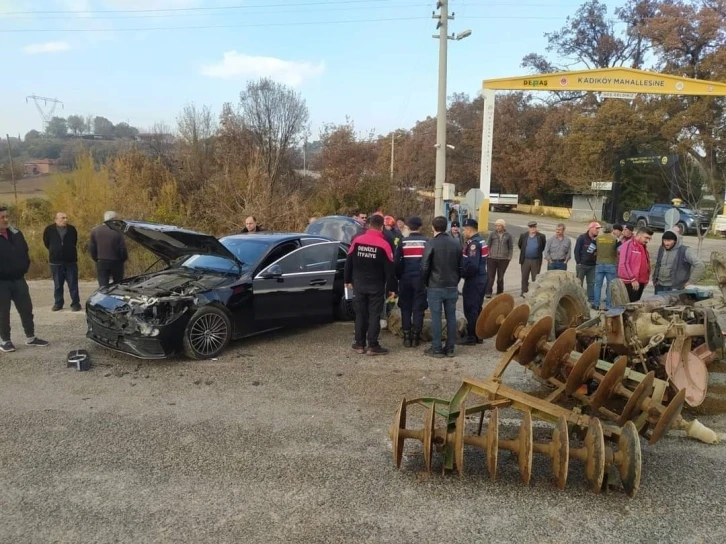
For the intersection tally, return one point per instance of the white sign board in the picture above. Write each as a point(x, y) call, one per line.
point(485, 179)
point(614, 94)
point(671, 218)
point(601, 185)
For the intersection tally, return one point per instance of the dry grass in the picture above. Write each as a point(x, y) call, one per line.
point(31, 187)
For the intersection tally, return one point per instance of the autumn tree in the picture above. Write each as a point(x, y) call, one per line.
point(196, 129)
point(276, 117)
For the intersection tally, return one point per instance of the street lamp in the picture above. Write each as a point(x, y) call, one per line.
point(444, 37)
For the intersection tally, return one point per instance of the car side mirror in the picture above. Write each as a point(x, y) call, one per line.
point(274, 271)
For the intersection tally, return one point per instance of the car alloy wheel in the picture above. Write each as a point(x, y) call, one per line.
point(207, 333)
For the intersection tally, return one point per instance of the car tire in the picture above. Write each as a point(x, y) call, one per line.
point(681, 225)
point(207, 334)
point(641, 223)
point(344, 310)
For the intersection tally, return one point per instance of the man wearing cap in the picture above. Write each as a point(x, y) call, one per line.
point(618, 232)
point(475, 279)
point(586, 258)
point(411, 292)
point(606, 267)
point(676, 265)
point(455, 233)
point(501, 247)
point(558, 249)
point(531, 248)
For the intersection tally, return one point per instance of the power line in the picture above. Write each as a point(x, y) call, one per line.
point(199, 8)
point(178, 15)
point(209, 27)
point(295, 23)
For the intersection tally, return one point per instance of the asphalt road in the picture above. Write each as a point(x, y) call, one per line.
point(284, 439)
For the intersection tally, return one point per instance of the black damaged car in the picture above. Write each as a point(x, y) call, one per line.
point(216, 290)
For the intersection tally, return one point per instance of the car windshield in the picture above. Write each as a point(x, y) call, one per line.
point(245, 249)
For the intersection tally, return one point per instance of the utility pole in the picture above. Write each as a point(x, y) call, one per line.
point(443, 37)
point(12, 172)
point(393, 139)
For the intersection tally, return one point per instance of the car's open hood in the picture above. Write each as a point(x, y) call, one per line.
point(170, 242)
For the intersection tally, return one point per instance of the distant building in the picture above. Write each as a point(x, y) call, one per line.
point(38, 167)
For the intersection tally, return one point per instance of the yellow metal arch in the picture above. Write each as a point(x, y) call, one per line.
point(601, 80)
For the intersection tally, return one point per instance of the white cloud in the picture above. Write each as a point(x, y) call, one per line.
point(237, 65)
point(47, 47)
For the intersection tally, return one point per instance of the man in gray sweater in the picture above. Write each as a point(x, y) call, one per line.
point(676, 264)
point(108, 251)
point(501, 247)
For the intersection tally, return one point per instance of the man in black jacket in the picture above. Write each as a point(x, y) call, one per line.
point(14, 263)
point(441, 269)
point(411, 292)
point(61, 240)
point(586, 259)
point(108, 251)
point(368, 270)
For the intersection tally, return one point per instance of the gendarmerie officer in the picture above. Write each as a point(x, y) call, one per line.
point(476, 252)
point(411, 292)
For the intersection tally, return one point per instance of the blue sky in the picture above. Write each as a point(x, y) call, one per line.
point(381, 74)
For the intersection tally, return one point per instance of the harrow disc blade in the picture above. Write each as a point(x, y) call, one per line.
point(560, 452)
point(525, 447)
point(539, 332)
point(668, 417)
point(583, 369)
point(630, 462)
point(493, 314)
point(595, 462)
point(428, 437)
point(399, 423)
point(558, 353)
point(516, 318)
point(493, 443)
point(612, 379)
point(459, 441)
point(633, 408)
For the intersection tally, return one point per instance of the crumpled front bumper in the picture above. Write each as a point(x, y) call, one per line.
point(112, 326)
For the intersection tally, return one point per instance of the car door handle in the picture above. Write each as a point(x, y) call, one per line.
point(318, 282)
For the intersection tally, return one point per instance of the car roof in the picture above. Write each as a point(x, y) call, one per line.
point(273, 237)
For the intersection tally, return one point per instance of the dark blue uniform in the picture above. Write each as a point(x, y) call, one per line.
point(476, 252)
point(411, 291)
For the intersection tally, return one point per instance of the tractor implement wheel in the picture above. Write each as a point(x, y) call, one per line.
point(628, 458)
point(668, 417)
point(537, 335)
point(559, 294)
point(609, 383)
point(399, 424)
point(560, 448)
point(583, 369)
point(493, 315)
point(517, 318)
point(558, 354)
point(595, 459)
point(525, 448)
point(634, 406)
point(493, 443)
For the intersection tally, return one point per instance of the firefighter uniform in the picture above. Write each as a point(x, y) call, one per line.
point(411, 292)
point(476, 252)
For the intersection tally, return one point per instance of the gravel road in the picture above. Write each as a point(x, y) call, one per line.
point(284, 439)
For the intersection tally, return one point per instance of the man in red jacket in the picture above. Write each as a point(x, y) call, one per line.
point(634, 263)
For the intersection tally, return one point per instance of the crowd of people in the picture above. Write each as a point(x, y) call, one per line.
point(393, 256)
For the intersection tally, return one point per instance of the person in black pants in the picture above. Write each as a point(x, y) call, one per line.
point(475, 282)
point(61, 239)
point(411, 292)
point(108, 251)
point(441, 269)
point(14, 263)
point(368, 270)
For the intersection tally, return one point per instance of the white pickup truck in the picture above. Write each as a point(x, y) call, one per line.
point(500, 202)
